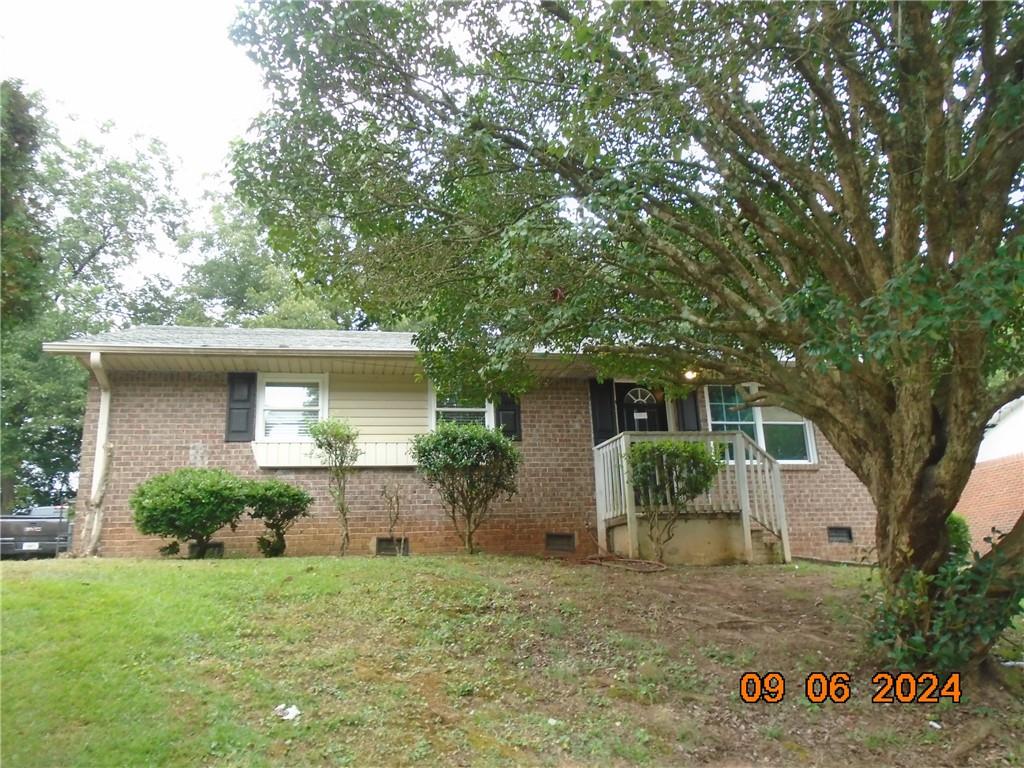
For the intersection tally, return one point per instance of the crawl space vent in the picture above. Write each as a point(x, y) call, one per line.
point(392, 546)
point(560, 542)
point(840, 535)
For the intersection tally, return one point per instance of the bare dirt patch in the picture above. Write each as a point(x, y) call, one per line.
point(717, 623)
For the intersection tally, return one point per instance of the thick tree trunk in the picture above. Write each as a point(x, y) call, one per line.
point(345, 537)
point(6, 492)
point(910, 530)
point(914, 454)
point(915, 470)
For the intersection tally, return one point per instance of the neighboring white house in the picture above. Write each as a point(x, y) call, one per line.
point(1006, 435)
point(993, 501)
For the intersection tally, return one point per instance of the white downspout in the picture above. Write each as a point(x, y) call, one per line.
point(101, 459)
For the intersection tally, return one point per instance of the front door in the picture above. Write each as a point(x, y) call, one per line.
point(640, 409)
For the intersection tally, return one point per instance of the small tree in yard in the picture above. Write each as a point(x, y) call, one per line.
point(392, 495)
point(335, 439)
point(278, 505)
point(669, 475)
point(471, 466)
point(189, 505)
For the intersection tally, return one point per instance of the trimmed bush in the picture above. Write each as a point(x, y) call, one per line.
point(669, 474)
point(278, 504)
point(189, 505)
point(967, 609)
point(470, 466)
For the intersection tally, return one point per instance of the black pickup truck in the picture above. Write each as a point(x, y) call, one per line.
point(35, 531)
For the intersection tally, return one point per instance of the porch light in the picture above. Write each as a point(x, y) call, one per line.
point(690, 375)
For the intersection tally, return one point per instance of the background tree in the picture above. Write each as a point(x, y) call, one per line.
point(824, 198)
point(95, 212)
point(239, 280)
point(21, 126)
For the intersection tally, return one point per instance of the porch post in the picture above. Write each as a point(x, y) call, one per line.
point(601, 481)
point(739, 455)
point(780, 509)
point(632, 530)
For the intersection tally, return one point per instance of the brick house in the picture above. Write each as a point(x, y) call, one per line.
point(167, 397)
point(993, 500)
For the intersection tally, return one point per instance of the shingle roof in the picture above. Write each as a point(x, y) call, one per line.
point(168, 337)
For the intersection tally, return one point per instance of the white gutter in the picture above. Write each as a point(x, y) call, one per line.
point(99, 467)
point(82, 348)
point(75, 348)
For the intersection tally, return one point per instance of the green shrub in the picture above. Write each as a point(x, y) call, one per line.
point(335, 440)
point(939, 621)
point(189, 505)
point(470, 466)
point(959, 538)
point(669, 474)
point(278, 505)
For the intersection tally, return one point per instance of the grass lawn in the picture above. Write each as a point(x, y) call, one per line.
point(456, 661)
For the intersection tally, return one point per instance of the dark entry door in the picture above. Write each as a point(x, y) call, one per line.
point(640, 409)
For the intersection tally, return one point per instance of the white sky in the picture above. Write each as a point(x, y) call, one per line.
point(161, 69)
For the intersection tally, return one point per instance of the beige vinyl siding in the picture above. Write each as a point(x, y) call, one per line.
point(388, 409)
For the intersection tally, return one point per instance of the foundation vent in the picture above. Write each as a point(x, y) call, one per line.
point(389, 547)
point(840, 535)
point(560, 542)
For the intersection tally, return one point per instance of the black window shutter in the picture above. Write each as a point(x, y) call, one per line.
point(509, 417)
point(241, 419)
point(687, 414)
point(602, 410)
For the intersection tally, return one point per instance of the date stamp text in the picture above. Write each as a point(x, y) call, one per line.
point(821, 688)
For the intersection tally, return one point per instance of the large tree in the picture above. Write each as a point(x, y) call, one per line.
point(823, 198)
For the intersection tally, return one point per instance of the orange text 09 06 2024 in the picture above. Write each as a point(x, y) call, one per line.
point(836, 687)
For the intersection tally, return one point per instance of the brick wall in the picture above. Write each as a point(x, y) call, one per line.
point(818, 496)
point(993, 498)
point(162, 421)
point(828, 494)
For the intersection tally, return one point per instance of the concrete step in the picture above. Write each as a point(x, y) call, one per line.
point(767, 547)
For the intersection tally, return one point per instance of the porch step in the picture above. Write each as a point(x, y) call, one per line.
point(767, 547)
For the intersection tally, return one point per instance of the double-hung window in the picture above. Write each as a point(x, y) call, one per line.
point(462, 410)
point(288, 405)
point(785, 435)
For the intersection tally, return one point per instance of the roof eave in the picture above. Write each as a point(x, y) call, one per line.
point(71, 348)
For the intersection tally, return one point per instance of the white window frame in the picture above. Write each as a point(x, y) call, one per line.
point(812, 450)
point(489, 418)
point(262, 379)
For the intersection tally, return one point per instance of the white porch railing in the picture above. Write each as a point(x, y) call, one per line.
point(751, 486)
